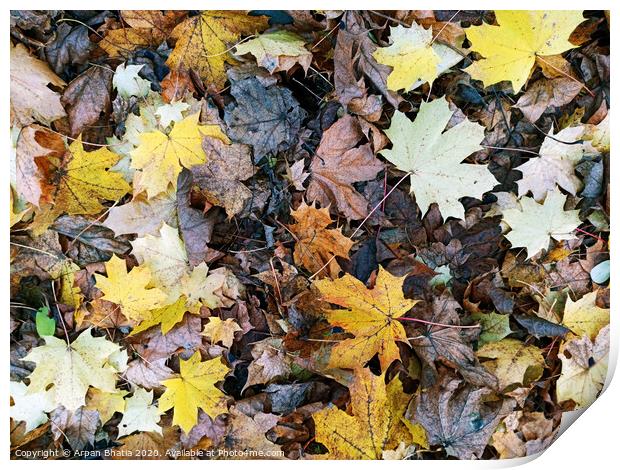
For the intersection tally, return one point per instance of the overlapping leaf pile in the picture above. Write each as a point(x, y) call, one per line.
point(307, 234)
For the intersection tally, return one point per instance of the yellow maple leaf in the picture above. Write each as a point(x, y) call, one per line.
point(433, 157)
point(512, 361)
point(316, 245)
point(167, 316)
point(411, 55)
point(82, 179)
point(71, 369)
point(584, 317)
point(584, 372)
point(160, 157)
point(221, 330)
point(194, 388)
point(129, 289)
point(203, 42)
point(511, 49)
point(371, 315)
point(373, 427)
point(106, 403)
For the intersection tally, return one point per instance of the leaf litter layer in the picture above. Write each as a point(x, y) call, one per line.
point(307, 234)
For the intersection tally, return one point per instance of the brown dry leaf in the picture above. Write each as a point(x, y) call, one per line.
point(545, 93)
point(317, 246)
point(270, 362)
point(220, 178)
point(449, 345)
point(339, 162)
point(248, 434)
point(458, 417)
point(77, 427)
point(147, 374)
point(149, 445)
point(31, 98)
point(87, 97)
point(35, 141)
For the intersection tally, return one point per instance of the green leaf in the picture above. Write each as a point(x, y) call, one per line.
point(46, 326)
point(495, 327)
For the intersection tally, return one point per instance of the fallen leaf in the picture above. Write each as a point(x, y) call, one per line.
point(339, 162)
point(139, 414)
point(512, 361)
point(87, 97)
point(277, 51)
point(556, 164)
point(539, 33)
point(31, 98)
point(160, 157)
point(30, 407)
point(267, 118)
point(194, 388)
point(494, 327)
point(220, 178)
point(105, 403)
point(35, 141)
point(544, 94)
point(78, 427)
point(456, 416)
point(203, 41)
point(584, 317)
point(433, 157)
point(369, 314)
point(584, 373)
point(221, 331)
point(377, 410)
point(83, 179)
point(129, 289)
point(316, 245)
point(71, 369)
point(533, 224)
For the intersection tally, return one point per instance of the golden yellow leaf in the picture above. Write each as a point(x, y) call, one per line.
point(376, 416)
point(370, 314)
point(129, 289)
point(160, 157)
point(167, 316)
point(510, 49)
point(583, 317)
point(316, 245)
point(411, 56)
point(203, 42)
point(71, 369)
point(82, 179)
point(218, 330)
point(194, 388)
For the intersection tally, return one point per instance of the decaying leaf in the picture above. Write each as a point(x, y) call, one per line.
point(277, 51)
point(340, 162)
point(203, 41)
point(317, 246)
point(457, 416)
point(372, 426)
